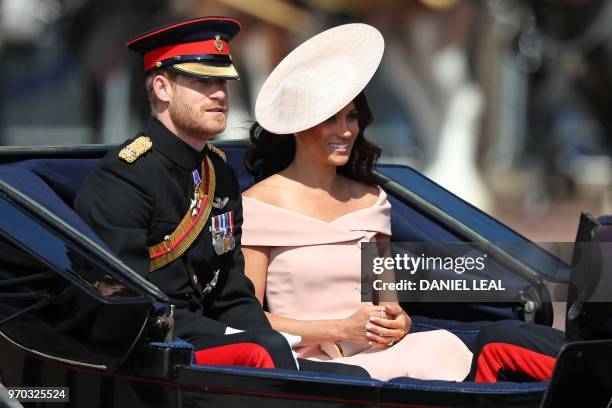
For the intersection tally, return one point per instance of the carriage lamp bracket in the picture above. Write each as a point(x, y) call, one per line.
point(165, 324)
point(531, 303)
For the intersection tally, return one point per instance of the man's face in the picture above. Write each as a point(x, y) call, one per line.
point(198, 106)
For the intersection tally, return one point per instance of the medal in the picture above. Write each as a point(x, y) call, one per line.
point(230, 230)
point(196, 201)
point(223, 232)
point(217, 235)
point(224, 219)
point(218, 245)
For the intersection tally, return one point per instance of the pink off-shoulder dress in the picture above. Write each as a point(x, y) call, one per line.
point(314, 274)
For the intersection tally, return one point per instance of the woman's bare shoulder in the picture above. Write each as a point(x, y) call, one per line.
point(267, 190)
point(361, 190)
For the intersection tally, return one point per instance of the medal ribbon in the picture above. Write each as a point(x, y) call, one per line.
point(224, 223)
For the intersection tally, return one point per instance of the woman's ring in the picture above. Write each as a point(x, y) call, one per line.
point(391, 343)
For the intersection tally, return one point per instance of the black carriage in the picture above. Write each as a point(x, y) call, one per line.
point(55, 272)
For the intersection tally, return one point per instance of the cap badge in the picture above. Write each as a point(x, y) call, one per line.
point(218, 43)
point(137, 148)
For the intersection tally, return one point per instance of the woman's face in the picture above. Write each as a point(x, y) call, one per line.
point(331, 142)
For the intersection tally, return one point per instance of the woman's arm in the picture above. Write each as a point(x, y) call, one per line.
point(256, 260)
point(394, 324)
point(353, 328)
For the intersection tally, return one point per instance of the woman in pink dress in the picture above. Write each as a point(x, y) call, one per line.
point(318, 200)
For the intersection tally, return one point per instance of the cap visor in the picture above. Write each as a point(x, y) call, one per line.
point(207, 71)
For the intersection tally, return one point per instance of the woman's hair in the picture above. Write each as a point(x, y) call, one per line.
point(270, 153)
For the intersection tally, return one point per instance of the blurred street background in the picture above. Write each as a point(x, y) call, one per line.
point(503, 102)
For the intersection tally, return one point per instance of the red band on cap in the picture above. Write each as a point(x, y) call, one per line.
point(193, 48)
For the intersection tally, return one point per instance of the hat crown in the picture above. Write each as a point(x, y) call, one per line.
point(196, 47)
point(319, 78)
point(195, 29)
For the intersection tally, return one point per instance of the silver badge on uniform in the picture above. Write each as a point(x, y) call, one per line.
point(220, 202)
point(211, 285)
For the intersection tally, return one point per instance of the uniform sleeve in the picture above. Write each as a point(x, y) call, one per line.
point(119, 212)
point(236, 303)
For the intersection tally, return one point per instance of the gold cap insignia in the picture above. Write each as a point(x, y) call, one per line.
point(218, 43)
point(137, 148)
point(158, 64)
point(216, 151)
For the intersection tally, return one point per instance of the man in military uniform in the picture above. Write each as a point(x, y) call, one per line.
point(170, 207)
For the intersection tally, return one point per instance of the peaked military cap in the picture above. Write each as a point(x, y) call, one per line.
point(198, 47)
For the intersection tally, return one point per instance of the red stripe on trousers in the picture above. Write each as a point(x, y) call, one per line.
point(497, 356)
point(237, 354)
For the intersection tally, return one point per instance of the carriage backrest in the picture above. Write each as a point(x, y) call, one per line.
point(55, 182)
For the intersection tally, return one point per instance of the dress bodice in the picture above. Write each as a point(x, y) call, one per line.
point(314, 269)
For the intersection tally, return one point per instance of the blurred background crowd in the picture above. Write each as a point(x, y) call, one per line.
point(503, 102)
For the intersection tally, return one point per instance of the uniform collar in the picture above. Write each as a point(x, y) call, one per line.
point(169, 144)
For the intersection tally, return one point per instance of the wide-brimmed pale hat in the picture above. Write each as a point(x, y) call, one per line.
point(197, 47)
point(319, 78)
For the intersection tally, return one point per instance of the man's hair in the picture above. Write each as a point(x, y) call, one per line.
point(149, 85)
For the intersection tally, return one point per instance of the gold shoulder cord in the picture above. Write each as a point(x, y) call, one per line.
point(217, 151)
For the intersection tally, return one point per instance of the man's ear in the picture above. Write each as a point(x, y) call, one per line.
point(162, 88)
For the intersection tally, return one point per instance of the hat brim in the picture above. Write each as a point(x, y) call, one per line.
point(319, 78)
point(207, 71)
